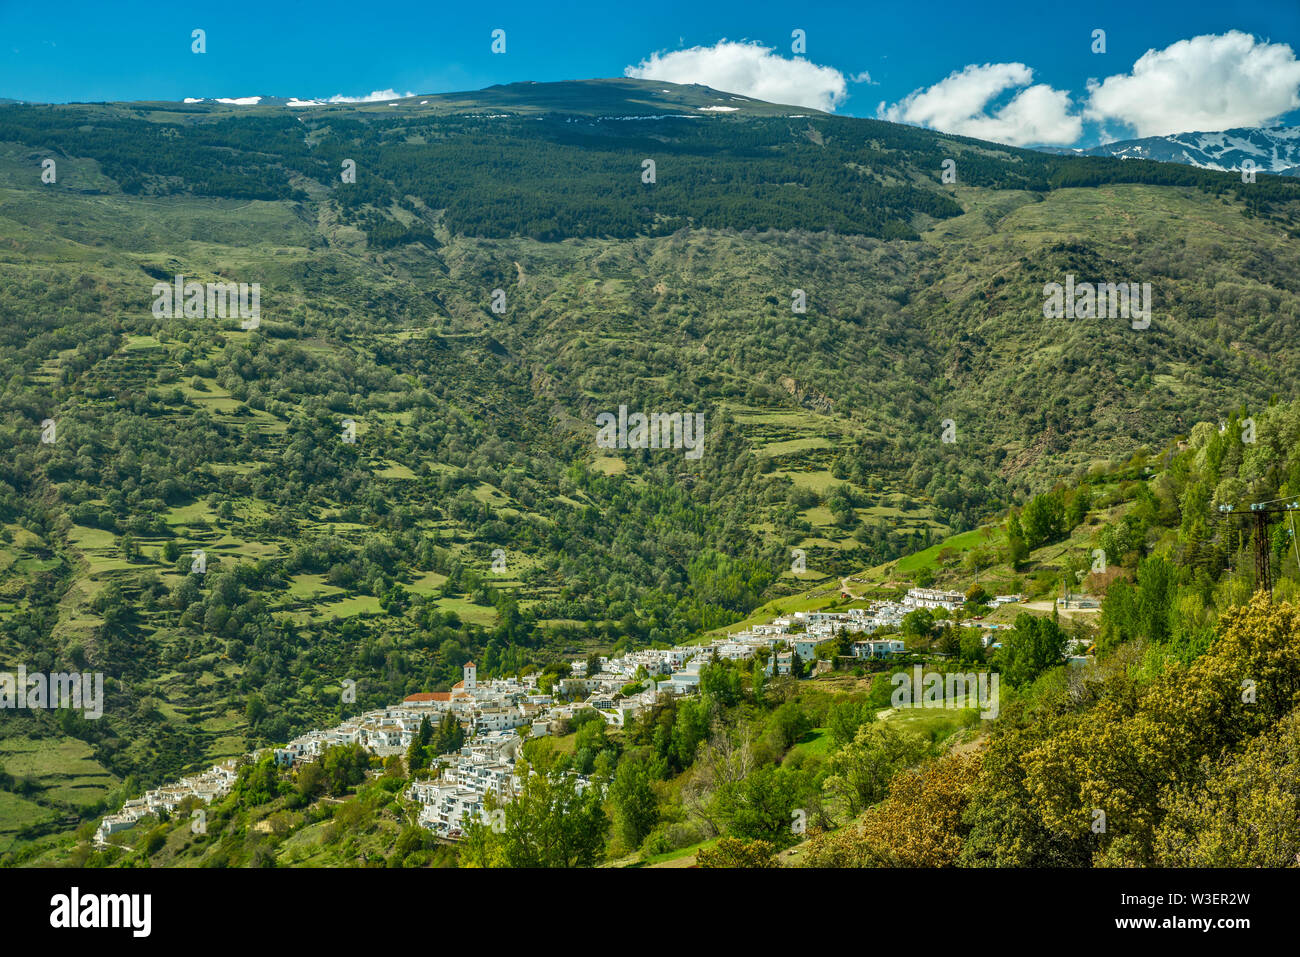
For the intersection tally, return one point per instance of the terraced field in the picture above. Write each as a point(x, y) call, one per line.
point(388, 477)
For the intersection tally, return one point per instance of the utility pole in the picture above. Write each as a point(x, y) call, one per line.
point(1261, 511)
point(1262, 572)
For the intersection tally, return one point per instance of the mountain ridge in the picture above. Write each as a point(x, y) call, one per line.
point(1273, 149)
point(589, 97)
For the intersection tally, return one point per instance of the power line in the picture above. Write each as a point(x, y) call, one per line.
point(1261, 511)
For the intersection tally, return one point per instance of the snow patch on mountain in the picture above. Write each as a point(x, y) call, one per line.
point(1272, 149)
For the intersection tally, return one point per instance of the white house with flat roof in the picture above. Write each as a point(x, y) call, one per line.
point(878, 648)
point(934, 598)
point(805, 648)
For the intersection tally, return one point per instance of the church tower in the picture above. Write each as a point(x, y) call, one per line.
point(471, 676)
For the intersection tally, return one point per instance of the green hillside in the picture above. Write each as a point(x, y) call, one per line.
point(329, 560)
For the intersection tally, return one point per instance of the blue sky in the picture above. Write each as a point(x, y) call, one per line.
point(1038, 55)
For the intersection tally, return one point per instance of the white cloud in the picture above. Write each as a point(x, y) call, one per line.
point(1206, 83)
point(374, 97)
point(748, 68)
point(960, 104)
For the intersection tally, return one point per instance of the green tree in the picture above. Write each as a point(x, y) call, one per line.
point(971, 645)
point(919, 623)
point(1076, 508)
point(1244, 814)
point(721, 683)
point(450, 737)
point(255, 709)
point(1043, 519)
point(257, 783)
point(1017, 547)
point(632, 795)
point(844, 718)
point(790, 723)
point(551, 823)
point(416, 755)
point(690, 727)
point(1030, 648)
point(762, 805)
point(860, 770)
point(344, 767)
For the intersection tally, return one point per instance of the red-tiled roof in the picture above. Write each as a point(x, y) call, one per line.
point(429, 696)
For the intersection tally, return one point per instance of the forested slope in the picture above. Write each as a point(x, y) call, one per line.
point(329, 560)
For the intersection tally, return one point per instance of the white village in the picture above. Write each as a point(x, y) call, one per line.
point(498, 714)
